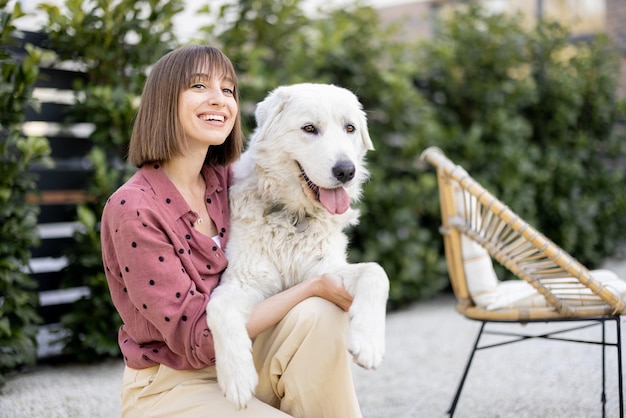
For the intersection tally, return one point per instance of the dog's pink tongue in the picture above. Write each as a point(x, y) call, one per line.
point(336, 201)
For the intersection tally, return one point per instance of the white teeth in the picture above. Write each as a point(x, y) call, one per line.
point(218, 118)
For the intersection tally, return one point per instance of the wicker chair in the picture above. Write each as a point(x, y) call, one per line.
point(553, 286)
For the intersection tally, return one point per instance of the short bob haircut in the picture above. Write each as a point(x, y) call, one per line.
point(157, 133)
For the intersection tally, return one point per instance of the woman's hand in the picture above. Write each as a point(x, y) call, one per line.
point(269, 311)
point(331, 288)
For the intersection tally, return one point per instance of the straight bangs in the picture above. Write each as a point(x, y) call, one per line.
point(209, 63)
point(157, 134)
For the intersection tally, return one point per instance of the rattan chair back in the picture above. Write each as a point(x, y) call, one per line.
point(467, 209)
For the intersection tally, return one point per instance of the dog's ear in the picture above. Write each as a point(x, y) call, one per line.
point(365, 134)
point(268, 110)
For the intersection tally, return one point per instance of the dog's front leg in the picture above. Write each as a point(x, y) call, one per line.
point(369, 285)
point(227, 316)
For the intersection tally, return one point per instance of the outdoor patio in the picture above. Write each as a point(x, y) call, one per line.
point(427, 346)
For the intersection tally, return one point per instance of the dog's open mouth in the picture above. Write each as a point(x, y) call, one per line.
point(336, 201)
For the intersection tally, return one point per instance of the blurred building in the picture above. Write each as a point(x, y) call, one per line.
point(584, 18)
point(616, 28)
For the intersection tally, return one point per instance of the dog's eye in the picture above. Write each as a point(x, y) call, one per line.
point(350, 128)
point(309, 129)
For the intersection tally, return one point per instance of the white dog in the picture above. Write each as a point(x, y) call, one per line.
point(290, 202)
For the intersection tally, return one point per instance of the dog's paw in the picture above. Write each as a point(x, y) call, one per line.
point(238, 381)
point(240, 390)
point(368, 352)
point(366, 340)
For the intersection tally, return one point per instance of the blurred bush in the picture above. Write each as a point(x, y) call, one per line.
point(18, 216)
point(533, 115)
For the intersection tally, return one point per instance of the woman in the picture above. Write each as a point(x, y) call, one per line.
point(163, 234)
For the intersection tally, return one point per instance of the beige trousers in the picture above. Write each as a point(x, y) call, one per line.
point(304, 371)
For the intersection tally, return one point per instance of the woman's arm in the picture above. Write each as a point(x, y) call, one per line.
point(270, 311)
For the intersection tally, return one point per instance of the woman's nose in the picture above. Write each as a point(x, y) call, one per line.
point(216, 98)
point(215, 94)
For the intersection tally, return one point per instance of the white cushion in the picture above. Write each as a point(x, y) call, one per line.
point(481, 278)
point(482, 282)
point(520, 294)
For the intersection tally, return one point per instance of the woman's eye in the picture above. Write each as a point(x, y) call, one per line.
point(197, 86)
point(309, 129)
point(350, 128)
point(228, 91)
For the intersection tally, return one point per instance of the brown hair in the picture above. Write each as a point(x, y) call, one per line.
point(157, 133)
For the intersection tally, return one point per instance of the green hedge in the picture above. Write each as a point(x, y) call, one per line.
point(532, 116)
point(18, 217)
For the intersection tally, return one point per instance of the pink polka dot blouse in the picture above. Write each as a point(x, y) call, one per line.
point(160, 270)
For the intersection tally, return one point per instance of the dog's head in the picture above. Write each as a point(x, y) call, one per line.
point(311, 141)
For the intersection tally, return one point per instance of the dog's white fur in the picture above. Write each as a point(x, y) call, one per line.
point(281, 234)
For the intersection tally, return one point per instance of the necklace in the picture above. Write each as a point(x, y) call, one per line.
point(199, 220)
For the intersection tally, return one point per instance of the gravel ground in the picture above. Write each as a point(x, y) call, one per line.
point(427, 347)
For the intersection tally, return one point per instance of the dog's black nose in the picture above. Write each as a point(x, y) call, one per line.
point(344, 171)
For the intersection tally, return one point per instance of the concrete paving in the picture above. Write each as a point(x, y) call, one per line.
point(427, 347)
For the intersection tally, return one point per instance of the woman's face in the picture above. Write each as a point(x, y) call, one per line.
point(207, 110)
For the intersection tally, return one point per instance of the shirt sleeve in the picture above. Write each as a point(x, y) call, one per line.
point(159, 289)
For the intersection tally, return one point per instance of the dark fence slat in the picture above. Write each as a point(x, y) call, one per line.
point(60, 188)
point(56, 212)
point(59, 79)
point(52, 248)
point(48, 281)
point(39, 39)
point(52, 313)
point(47, 112)
point(60, 179)
point(64, 147)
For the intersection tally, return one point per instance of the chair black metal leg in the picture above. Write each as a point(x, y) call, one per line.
point(619, 366)
point(457, 395)
point(603, 398)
